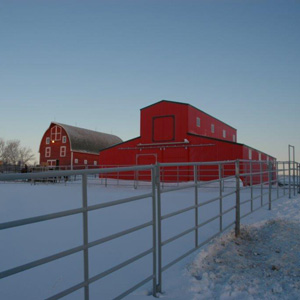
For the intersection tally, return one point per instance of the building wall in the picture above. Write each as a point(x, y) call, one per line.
point(199, 149)
point(170, 134)
point(80, 159)
point(55, 145)
point(163, 122)
point(204, 126)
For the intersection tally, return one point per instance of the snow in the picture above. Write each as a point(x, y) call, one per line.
point(264, 262)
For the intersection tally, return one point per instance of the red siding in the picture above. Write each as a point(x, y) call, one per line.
point(55, 152)
point(55, 146)
point(163, 121)
point(206, 122)
point(169, 133)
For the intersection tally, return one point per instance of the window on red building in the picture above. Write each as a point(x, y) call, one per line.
point(63, 151)
point(47, 152)
point(56, 133)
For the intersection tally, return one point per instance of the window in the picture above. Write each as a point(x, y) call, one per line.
point(51, 162)
point(56, 133)
point(47, 152)
point(76, 160)
point(212, 128)
point(198, 122)
point(85, 162)
point(95, 163)
point(233, 137)
point(47, 140)
point(224, 133)
point(259, 156)
point(64, 139)
point(250, 154)
point(62, 151)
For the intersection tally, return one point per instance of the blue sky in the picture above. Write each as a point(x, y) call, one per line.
point(94, 64)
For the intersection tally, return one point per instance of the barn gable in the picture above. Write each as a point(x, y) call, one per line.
point(66, 145)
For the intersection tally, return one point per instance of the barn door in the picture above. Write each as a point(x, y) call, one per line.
point(145, 159)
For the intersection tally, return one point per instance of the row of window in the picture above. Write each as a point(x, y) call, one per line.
point(64, 140)
point(52, 162)
point(63, 151)
point(212, 129)
point(259, 155)
point(85, 162)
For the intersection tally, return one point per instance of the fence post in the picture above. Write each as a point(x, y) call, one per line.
point(85, 237)
point(196, 204)
point(294, 170)
point(270, 185)
point(283, 178)
point(220, 195)
point(159, 246)
point(298, 178)
point(289, 176)
point(251, 184)
point(237, 209)
point(154, 261)
point(277, 180)
point(261, 184)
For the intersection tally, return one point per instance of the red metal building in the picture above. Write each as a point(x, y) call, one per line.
point(179, 132)
point(65, 145)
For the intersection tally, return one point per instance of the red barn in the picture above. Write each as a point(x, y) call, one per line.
point(65, 145)
point(179, 132)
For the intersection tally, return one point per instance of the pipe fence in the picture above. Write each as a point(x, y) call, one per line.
point(216, 196)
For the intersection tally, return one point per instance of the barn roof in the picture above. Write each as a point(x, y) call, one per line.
point(85, 140)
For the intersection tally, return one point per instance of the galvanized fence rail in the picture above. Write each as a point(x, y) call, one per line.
point(86, 245)
point(252, 185)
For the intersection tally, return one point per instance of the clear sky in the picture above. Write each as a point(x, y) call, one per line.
point(94, 64)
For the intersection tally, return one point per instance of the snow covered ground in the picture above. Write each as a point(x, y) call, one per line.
point(262, 263)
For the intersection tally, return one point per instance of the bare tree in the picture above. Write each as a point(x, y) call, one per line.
point(25, 155)
point(11, 152)
point(2, 147)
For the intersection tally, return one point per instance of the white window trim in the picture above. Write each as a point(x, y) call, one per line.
point(48, 152)
point(76, 161)
point(198, 122)
point(48, 140)
point(250, 154)
point(212, 128)
point(85, 161)
point(64, 139)
point(95, 163)
point(259, 156)
point(51, 162)
point(224, 133)
point(63, 151)
point(56, 133)
point(234, 138)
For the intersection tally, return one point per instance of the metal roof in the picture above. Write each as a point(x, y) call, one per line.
point(85, 140)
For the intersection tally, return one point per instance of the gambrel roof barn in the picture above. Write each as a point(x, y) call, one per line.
point(66, 145)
